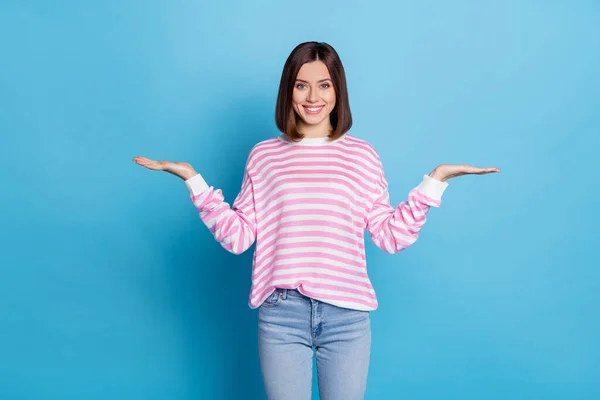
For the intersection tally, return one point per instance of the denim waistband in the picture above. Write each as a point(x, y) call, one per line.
point(284, 293)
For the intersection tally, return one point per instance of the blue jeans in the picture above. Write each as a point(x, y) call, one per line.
point(290, 325)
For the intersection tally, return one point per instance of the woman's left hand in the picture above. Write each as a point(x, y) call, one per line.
point(444, 172)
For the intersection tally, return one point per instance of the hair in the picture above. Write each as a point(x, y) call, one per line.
point(285, 116)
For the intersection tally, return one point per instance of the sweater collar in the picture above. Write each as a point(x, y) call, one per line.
point(320, 141)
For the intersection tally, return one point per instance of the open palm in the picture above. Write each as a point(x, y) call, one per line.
point(181, 169)
point(444, 172)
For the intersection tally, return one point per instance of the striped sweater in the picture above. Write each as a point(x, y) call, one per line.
point(307, 205)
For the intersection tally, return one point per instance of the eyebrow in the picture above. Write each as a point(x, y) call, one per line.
point(322, 80)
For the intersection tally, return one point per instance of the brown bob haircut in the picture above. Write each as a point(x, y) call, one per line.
point(285, 116)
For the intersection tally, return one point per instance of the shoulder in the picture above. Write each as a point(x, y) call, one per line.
point(363, 147)
point(264, 147)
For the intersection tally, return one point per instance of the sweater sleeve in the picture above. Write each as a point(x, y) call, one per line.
point(394, 229)
point(234, 227)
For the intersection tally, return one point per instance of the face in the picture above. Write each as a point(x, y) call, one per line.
point(314, 97)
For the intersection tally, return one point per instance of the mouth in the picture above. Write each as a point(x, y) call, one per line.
point(313, 110)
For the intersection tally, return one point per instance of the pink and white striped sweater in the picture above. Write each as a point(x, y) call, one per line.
point(307, 205)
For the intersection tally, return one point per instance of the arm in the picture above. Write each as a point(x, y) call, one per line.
point(394, 229)
point(234, 227)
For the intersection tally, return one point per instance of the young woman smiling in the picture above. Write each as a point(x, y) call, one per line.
point(307, 197)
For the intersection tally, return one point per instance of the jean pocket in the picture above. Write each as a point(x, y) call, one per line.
point(274, 299)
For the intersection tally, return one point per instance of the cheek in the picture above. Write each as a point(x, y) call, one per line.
point(297, 97)
point(330, 98)
point(295, 102)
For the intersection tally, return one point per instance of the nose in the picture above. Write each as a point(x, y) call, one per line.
point(312, 96)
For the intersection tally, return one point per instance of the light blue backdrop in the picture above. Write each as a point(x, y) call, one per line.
point(112, 288)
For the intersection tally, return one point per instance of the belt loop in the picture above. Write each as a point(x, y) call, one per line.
point(285, 294)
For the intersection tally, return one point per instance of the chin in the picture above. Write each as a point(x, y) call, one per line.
point(312, 120)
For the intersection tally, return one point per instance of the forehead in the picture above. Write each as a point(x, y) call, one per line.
point(313, 71)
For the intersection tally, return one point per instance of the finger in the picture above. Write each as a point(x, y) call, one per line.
point(154, 165)
point(151, 165)
point(489, 171)
point(475, 170)
point(145, 161)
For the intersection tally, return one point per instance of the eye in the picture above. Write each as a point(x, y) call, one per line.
point(300, 85)
point(325, 86)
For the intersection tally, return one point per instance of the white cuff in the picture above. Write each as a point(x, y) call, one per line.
point(431, 187)
point(196, 185)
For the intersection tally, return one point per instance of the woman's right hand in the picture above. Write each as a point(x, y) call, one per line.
point(180, 169)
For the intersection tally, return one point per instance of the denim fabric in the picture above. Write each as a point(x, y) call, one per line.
point(293, 327)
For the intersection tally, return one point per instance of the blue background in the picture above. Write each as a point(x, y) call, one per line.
point(112, 288)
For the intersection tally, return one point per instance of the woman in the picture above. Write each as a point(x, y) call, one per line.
point(306, 198)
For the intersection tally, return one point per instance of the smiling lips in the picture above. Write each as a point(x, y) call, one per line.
point(313, 110)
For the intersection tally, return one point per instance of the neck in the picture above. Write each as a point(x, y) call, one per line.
point(322, 129)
